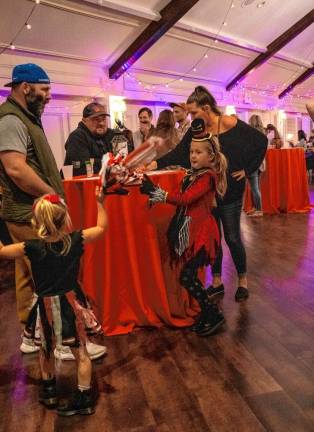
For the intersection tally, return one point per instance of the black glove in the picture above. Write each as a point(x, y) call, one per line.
point(147, 186)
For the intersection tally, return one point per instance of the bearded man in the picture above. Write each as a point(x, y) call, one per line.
point(27, 170)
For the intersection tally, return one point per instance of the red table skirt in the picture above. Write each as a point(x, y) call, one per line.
point(284, 186)
point(126, 273)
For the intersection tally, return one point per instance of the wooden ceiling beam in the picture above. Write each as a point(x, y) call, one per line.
point(303, 77)
point(170, 14)
point(274, 47)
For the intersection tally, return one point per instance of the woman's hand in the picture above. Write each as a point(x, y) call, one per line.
point(238, 175)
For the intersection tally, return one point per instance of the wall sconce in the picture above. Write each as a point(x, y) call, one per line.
point(117, 108)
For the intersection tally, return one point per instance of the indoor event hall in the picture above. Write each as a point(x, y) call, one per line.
point(157, 216)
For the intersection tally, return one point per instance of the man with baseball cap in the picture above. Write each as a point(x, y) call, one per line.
point(90, 140)
point(27, 170)
point(180, 114)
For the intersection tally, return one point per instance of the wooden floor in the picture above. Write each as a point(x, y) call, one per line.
point(257, 374)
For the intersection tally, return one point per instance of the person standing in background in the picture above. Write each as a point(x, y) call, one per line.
point(166, 130)
point(90, 140)
point(256, 122)
point(180, 114)
point(274, 139)
point(146, 129)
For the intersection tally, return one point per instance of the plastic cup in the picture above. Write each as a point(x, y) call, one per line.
point(67, 171)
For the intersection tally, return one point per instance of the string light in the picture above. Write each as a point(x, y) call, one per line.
point(205, 55)
point(26, 25)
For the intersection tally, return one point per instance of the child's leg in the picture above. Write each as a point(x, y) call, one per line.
point(47, 366)
point(48, 391)
point(190, 281)
point(84, 367)
point(82, 400)
point(211, 318)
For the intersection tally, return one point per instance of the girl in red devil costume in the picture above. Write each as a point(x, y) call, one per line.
point(193, 233)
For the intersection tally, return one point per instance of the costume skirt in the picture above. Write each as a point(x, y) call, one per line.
point(61, 320)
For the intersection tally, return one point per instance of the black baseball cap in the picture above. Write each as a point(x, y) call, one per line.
point(93, 110)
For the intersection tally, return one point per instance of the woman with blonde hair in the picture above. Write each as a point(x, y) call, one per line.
point(62, 311)
point(256, 122)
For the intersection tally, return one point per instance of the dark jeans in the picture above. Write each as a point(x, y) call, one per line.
point(228, 216)
point(254, 183)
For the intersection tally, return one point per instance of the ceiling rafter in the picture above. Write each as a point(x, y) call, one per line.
point(274, 47)
point(170, 14)
point(299, 80)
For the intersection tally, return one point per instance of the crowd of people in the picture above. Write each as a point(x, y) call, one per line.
point(219, 152)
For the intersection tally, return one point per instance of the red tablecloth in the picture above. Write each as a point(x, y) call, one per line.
point(127, 273)
point(284, 186)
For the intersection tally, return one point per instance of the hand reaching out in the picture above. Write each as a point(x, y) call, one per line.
point(238, 175)
point(100, 197)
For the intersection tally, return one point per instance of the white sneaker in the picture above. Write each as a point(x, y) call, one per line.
point(28, 346)
point(95, 351)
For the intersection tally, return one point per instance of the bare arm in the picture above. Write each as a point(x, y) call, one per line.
point(12, 251)
point(94, 233)
point(23, 175)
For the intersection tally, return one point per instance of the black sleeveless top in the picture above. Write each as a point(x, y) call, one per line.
point(53, 273)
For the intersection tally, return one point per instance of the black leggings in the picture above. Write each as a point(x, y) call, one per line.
point(229, 217)
point(191, 282)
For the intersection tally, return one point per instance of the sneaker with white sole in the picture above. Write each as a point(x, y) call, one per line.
point(95, 351)
point(28, 346)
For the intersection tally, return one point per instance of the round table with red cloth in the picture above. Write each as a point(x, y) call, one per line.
point(126, 273)
point(284, 186)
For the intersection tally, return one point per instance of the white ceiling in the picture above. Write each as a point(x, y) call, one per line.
point(100, 30)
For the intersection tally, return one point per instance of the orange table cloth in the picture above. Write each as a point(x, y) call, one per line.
point(284, 186)
point(127, 274)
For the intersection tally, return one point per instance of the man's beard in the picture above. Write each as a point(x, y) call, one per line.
point(35, 103)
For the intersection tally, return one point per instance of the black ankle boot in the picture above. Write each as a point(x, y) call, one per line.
point(215, 292)
point(213, 321)
point(48, 393)
point(198, 322)
point(81, 402)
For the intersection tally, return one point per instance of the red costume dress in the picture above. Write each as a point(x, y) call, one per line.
point(195, 202)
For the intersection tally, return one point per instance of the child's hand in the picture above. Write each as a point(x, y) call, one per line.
point(100, 197)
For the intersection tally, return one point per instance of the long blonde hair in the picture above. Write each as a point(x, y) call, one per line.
point(218, 163)
point(52, 221)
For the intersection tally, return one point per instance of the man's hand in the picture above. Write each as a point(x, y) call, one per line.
point(238, 175)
